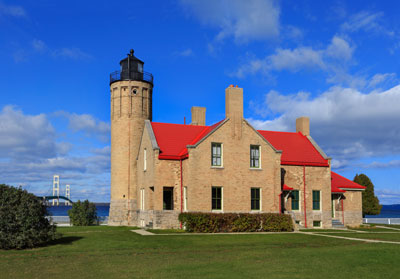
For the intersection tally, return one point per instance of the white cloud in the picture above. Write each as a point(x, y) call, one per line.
point(12, 10)
point(185, 53)
point(31, 153)
point(388, 196)
point(366, 21)
point(242, 20)
point(71, 52)
point(39, 45)
point(346, 123)
point(25, 137)
point(381, 78)
point(328, 59)
point(87, 124)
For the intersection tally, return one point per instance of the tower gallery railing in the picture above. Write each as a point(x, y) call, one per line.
point(132, 75)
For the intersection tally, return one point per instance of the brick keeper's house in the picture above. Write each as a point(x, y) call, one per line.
point(159, 170)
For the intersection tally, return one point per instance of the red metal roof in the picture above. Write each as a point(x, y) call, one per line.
point(339, 181)
point(287, 188)
point(297, 149)
point(173, 138)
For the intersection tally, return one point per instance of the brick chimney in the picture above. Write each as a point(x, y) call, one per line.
point(303, 125)
point(234, 109)
point(198, 116)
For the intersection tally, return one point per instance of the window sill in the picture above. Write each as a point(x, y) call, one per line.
point(217, 211)
point(259, 169)
point(217, 167)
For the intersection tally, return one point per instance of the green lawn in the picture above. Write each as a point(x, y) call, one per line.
point(391, 236)
point(112, 252)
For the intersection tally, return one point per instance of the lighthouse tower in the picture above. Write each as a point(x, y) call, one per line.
point(131, 104)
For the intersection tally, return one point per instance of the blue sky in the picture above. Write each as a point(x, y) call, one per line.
point(336, 62)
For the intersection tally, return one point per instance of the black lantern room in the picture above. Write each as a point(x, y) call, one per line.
point(131, 69)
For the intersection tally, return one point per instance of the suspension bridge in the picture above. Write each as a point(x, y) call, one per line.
point(56, 197)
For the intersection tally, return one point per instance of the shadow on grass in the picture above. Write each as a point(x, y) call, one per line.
point(63, 240)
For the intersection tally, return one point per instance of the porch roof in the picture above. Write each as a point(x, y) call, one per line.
point(339, 183)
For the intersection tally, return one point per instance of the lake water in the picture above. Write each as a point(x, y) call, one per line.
point(62, 210)
point(103, 210)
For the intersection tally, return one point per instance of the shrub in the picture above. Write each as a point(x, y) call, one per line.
point(236, 222)
point(23, 222)
point(83, 213)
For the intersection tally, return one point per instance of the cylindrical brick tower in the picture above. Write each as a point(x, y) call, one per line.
point(131, 104)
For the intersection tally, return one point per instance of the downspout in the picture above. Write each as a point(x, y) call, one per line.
point(181, 190)
point(341, 201)
point(305, 204)
point(280, 203)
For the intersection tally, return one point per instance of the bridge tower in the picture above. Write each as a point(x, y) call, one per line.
point(67, 194)
point(131, 104)
point(56, 188)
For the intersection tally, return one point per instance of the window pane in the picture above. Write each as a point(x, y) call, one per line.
point(216, 199)
point(255, 199)
point(316, 200)
point(295, 200)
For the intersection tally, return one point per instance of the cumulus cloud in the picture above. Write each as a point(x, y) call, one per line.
point(337, 52)
point(31, 153)
point(87, 124)
point(347, 123)
point(25, 137)
point(242, 20)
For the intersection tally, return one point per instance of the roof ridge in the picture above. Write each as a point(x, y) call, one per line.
point(186, 125)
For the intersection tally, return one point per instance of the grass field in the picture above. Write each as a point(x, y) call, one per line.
point(116, 252)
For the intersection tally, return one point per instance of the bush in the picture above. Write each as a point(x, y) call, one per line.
point(23, 222)
point(236, 222)
point(83, 213)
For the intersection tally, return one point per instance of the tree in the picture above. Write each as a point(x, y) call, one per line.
point(83, 213)
point(23, 222)
point(370, 203)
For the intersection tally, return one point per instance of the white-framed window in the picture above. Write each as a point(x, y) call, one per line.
point(316, 198)
point(217, 198)
point(216, 154)
point(185, 198)
point(255, 199)
point(255, 157)
point(145, 159)
point(142, 199)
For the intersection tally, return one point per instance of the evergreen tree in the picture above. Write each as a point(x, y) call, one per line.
point(370, 203)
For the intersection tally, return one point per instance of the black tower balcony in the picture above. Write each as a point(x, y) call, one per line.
point(131, 69)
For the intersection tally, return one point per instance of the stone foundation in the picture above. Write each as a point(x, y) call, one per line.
point(158, 219)
point(353, 218)
point(122, 213)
